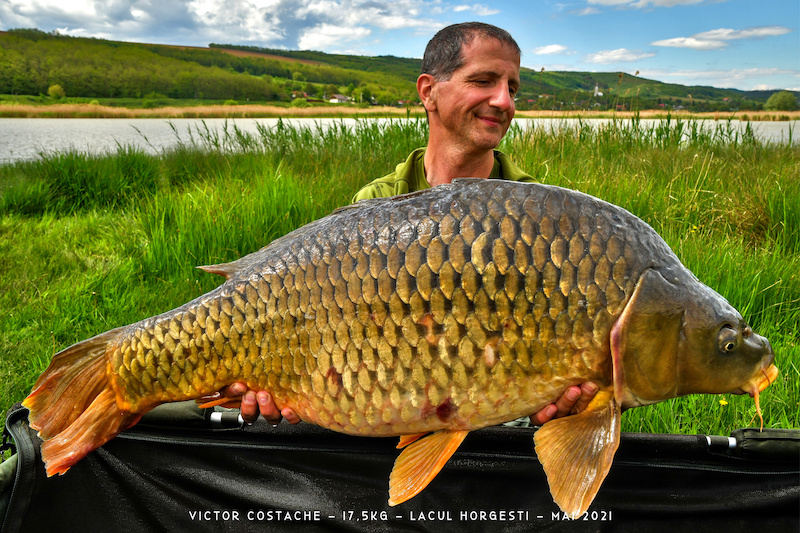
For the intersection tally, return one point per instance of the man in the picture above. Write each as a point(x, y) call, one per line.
point(470, 76)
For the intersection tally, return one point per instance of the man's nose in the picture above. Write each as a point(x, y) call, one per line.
point(501, 97)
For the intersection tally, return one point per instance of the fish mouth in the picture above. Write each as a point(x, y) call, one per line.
point(759, 382)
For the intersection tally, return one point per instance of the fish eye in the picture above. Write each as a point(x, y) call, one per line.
point(728, 339)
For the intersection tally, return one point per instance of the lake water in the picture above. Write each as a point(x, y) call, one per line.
point(27, 138)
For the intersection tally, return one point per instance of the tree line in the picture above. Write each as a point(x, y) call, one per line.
point(31, 61)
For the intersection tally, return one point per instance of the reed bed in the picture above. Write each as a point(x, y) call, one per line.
point(88, 243)
point(88, 110)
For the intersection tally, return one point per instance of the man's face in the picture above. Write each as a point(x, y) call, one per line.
point(476, 105)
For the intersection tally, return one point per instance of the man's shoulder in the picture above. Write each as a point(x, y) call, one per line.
point(386, 186)
point(401, 181)
point(510, 171)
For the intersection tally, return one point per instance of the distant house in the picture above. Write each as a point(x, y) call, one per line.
point(338, 99)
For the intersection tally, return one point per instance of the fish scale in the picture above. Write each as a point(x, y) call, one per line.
point(467, 302)
point(441, 311)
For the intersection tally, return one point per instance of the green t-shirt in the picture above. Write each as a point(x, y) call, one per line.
point(409, 176)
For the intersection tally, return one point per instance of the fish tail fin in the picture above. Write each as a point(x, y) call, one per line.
point(98, 424)
point(73, 406)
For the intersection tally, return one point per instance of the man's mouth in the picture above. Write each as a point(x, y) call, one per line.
point(491, 120)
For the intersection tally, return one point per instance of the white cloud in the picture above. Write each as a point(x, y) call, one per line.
point(747, 79)
point(638, 4)
point(325, 24)
point(718, 39)
point(550, 49)
point(325, 36)
point(757, 32)
point(691, 42)
point(478, 9)
point(620, 55)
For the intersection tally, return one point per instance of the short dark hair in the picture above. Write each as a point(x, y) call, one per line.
point(443, 54)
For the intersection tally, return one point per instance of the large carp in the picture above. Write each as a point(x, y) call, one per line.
point(439, 312)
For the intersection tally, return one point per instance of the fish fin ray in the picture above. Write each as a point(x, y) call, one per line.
point(73, 405)
point(72, 381)
point(225, 270)
point(420, 462)
point(99, 423)
point(576, 452)
point(207, 404)
point(405, 440)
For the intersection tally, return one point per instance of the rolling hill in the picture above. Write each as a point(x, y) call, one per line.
point(31, 61)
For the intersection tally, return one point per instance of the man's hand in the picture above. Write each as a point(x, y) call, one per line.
point(252, 403)
point(573, 401)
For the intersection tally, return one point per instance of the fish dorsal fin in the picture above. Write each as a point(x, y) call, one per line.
point(576, 452)
point(222, 269)
point(420, 461)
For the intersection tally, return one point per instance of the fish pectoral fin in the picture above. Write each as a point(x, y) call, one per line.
point(207, 403)
point(420, 461)
point(405, 440)
point(576, 452)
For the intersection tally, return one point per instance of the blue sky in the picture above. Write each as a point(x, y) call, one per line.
point(742, 44)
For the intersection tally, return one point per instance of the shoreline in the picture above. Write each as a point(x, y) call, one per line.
point(268, 111)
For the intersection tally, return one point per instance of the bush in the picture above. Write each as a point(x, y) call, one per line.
point(56, 91)
point(299, 102)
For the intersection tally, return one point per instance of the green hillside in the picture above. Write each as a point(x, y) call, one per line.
point(32, 61)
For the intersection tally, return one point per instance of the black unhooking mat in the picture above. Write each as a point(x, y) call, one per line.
point(181, 469)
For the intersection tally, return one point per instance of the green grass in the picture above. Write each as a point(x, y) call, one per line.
point(88, 243)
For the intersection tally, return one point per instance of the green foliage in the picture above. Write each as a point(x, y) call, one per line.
point(75, 181)
point(95, 68)
point(56, 91)
point(782, 101)
point(91, 243)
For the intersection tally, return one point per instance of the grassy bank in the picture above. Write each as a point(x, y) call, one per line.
point(90, 243)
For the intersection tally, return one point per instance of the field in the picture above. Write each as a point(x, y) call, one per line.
point(90, 243)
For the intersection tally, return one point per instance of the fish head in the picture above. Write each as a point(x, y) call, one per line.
point(677, 336)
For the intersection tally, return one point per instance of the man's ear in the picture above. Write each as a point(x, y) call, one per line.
point(426, 87)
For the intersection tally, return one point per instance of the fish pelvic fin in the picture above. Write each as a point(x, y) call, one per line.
point(576, 452)
point(73, 405)
point(405, 440)
point(420, 462)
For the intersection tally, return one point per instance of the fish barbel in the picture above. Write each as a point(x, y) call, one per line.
point(439, 312)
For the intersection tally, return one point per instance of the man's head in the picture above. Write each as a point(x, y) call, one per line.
point(444, 53)
point(470, 77)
